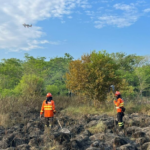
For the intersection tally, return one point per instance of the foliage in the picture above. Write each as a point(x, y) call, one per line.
point(30, 85)
point(135, 70)
point(128, 92)
point(93, 75)
point(33, 65)
point(10, 73)
point(52, 89)
point(143, 77)
point(56, 69)
point(6, 93)
point(52, 72)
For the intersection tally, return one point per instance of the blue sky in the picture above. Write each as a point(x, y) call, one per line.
point(73, 26)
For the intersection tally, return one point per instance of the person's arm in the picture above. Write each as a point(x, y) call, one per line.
point(54, 107)
point(117, 103)
point(42, 109)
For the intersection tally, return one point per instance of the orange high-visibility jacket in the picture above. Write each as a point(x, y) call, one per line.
point(119, 103)
point(48, 109)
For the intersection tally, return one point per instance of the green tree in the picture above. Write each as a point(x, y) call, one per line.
point(56, 69)
point(52, 89)
point(11, 72)
point(144, 78)
point(128, 65)
point(30, 86)
point(35, 66)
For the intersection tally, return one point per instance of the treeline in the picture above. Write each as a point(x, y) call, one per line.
point(91, 75)
point(33, 76)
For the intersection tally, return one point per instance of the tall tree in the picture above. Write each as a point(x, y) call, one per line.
point(56, 69)
point(93, 74)
point(35, 66)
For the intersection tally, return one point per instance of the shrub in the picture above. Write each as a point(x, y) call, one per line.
point(52, 89)
point(6, 93)
point(30, 86)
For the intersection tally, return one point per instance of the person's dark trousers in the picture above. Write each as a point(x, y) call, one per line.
point(49, 121)
point(120, 120)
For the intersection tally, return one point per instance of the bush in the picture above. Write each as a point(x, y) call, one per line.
point(6, 93)
point(30, 86)
point(52, 89)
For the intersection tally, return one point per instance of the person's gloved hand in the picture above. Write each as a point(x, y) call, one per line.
point(54, 111)
point(114, 101)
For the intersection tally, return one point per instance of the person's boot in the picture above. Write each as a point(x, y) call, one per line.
point(116, 122)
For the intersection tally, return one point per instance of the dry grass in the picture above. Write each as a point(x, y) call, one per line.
point(20, 104)
point(63, 102)
point(48, 147)
point(72, 106)
point(84, 109)
point(100, 127)
point(54, 148)
point(81, 110)
point(13, 110)
point(4, 120)
point(132, 107)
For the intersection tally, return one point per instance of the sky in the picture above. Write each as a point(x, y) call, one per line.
point(76, 27)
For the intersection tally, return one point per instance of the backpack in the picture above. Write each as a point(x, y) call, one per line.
point(123, 109)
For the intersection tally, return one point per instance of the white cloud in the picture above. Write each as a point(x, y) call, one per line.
point(147, 10)
point(127, 17)
point(13, 36)
point(115, 21)
point(84, 4)
point(125, 7)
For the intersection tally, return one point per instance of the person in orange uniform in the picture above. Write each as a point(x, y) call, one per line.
point(48, 108)
point(120, 109)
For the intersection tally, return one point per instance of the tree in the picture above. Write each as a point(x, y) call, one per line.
point(93, 74)
point(11, 72)
point(35, 66)
point(144, 78)
point(127, 62)
point(52, 89)
point(128, 65)
point(56, 69)
point(30, 86)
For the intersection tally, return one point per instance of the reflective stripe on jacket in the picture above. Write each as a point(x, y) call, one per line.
point(119, 103)
point(48, 109)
